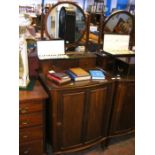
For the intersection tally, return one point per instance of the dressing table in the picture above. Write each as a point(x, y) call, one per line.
point(82, 114)
point(78, 113)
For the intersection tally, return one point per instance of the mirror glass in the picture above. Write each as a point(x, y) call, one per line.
point(118, 31)
point(67, 21)
point(119, 22)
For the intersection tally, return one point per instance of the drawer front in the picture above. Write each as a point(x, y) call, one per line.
point(33, 119)
point(33, 148)
point(30, 134)
point(29, 107)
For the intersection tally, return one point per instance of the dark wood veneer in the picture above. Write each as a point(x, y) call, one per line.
point(31, 148)
point(29, 107)
point(87, 60)
point(27, 120)
point(78, 114)
point(122, 121)
point(30, 134)
point(123, 112)
point(82, 114)
point(31, 121)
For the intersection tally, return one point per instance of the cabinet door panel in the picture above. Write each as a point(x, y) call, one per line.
point(123, 116)
point(96, 110)
point(72, 110)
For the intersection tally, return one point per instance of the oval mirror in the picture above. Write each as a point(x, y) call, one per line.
point(65, 20)
point(119, 22)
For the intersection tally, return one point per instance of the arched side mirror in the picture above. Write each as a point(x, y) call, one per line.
point(119, 22)
point(118, 29)
point(65, 20)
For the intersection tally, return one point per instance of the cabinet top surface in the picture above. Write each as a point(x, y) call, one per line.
point(37, 93)
point(72, 85)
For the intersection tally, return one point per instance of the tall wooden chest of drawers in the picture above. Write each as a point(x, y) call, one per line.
point(31, 120)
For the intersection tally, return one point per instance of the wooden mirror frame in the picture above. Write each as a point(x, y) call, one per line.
point(85, 21)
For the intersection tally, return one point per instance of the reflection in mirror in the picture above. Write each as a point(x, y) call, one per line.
point(118, 29)
point(119, 22)
point(65, 21)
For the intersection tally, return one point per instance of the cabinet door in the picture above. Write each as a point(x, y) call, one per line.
point(123, 112)
point(99, 106)
point(70, 115)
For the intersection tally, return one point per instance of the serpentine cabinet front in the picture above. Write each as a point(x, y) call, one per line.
point(79, 116)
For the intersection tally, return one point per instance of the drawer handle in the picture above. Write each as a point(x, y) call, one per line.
point(26, 123)
point(24, 110)
point(25, 136)
point(59, 123)
point(26, 151)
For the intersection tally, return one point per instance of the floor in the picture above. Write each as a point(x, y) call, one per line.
point(125, 147)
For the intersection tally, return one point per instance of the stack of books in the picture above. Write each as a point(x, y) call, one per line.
point(78, 74)
point(97, 74)
point(59, 77)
